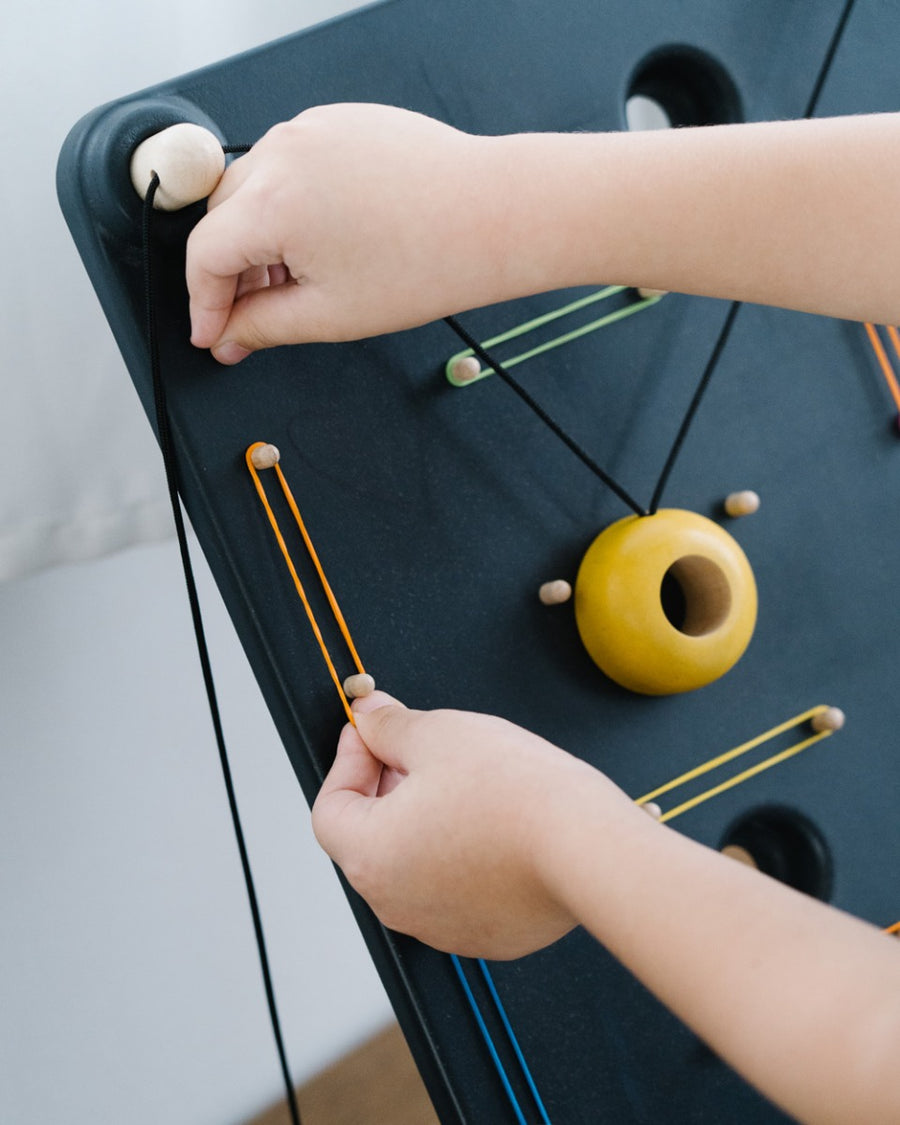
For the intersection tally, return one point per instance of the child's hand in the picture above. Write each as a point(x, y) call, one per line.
point(439, 819)
point(348, 221)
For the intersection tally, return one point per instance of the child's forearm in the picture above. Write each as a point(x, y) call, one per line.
point(801, 214)
point(356, 220)
point(803, 1000)
point(482, 839)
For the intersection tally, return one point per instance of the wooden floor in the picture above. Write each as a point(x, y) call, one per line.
point(377, 1084)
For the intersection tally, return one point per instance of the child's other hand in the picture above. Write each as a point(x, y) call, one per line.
point(438, 818)
point(348, 221)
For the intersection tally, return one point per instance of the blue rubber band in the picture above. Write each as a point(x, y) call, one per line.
point(501, 1011)
point(489, 1042)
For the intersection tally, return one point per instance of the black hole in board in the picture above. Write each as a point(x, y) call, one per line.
point(679, 86)
point(786, 845)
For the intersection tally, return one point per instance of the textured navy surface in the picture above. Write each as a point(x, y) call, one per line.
point(438, 512)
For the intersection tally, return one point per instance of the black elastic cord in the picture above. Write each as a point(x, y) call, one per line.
point(579, 452)
point(708, 371)
point(829, 58)
point(166, 445)
point(725, 332)
point(694, 406)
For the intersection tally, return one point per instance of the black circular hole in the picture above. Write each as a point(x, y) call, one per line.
point(681, 85)
point(785, 844)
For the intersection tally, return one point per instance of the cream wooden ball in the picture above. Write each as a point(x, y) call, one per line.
point(188, 159)
point(264, 456)
point(466, 369)
point(555, 592)
point(739, 504)
point(358, 686)
point(831, 719)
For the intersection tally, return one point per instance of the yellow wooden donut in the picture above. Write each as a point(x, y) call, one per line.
point(635, 632)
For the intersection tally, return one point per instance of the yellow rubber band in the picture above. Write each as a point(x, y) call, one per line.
point(729, 756)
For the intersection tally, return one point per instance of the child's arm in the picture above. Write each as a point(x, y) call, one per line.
point(483, 839)
point(369, 219)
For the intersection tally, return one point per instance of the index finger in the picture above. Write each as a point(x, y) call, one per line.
point(221, 247)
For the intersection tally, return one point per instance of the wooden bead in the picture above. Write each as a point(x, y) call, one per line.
point(355, 687)
point(555, 592)
point(466, 369)
point(265, 457)
point(832, 718)
point(735, 851)
point(189, 161)
point(741, 504)
point(651, 808)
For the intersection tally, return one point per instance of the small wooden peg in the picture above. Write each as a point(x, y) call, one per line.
point(265, 457)
point(735, 851)
point(359, 685)
point(832, 718)
point(651, 808)
point(464, 370)
point(188, 159)
point(741, 503)
point(555, 592)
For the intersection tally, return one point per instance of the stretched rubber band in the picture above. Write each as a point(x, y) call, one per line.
point(558, 341)
point(298, 585)
point(514, 1042)
point(883, 361)
point(730, 755)
point(489, 1042)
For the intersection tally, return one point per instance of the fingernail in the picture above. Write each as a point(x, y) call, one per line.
point(230, 353)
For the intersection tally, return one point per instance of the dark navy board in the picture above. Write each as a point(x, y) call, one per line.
point(438, 512)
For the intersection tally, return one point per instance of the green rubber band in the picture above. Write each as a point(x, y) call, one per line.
point(558, 341)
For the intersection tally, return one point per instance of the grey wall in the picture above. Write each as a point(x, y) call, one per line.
point(129, 987)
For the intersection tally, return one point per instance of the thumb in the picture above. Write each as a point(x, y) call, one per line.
point(353, 782)
point(388, 729)
point(349, 788)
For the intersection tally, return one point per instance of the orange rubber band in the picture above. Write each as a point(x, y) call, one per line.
point(883, 361)
point(329, 594)
point(895, 338)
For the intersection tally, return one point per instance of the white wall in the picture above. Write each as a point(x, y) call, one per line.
point(129, 987)
point(61, 374)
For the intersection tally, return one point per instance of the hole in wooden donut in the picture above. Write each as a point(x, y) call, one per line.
point(785, 844)
point(695, 595)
